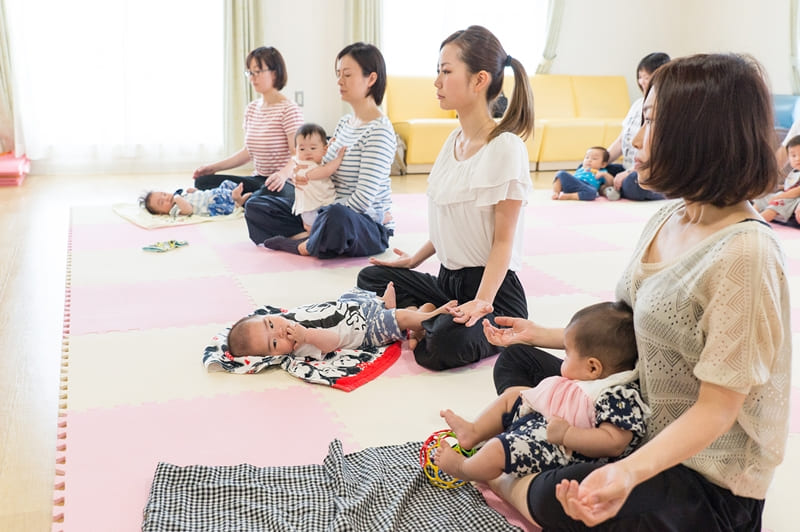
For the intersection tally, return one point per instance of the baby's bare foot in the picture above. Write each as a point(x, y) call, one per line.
point(389, 297)
point(448, 460)
point(463, 429)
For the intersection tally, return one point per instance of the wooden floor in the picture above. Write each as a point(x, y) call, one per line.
point(34, 222)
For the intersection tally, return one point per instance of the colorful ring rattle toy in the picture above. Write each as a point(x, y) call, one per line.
point(436, 476)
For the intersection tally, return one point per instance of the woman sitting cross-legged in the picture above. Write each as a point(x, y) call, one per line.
point(270, 123)
point(359, 222)
point(476, 192)
point(710, 299)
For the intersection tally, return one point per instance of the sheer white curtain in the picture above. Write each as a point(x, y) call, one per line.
point(794, 54)
point(366, 21)
point(118, 85)
point(555, 12)
point(414, 29)
point(244, 32)
point(8, 138)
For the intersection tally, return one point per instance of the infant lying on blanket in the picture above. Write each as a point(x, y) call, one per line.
point(213, 202)
point(357, 319)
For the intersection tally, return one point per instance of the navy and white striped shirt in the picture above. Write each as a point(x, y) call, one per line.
point(362, 181)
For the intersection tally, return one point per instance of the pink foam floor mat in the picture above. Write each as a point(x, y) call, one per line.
point(135, 391)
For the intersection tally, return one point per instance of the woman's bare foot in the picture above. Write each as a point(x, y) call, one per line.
point(448, 460)
point(463, 429)
point(302, 249)
point(556, 195)
point(388, 297)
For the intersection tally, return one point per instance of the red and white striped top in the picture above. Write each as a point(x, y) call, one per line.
point(265, 134)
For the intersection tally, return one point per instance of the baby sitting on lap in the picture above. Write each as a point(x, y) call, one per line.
point(213, 202)
point(357, 319)
point(593, 411)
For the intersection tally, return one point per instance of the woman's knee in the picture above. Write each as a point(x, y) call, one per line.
point(448, 344)
point(373, 278)
point(633, 191)
point(268, 216)
point(340, 231)
point(523, 365)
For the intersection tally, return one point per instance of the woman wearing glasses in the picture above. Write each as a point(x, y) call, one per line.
point(270, 123)
point(359, 222)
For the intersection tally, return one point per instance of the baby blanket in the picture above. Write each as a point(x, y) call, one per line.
point(344, 369)
point(139, 216)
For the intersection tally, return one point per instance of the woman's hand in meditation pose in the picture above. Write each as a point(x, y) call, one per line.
point(403, 260)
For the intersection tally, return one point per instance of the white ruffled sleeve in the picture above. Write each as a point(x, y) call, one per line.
point(502, 172)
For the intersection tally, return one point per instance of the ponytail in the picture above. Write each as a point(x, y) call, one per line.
point(518, 118)
point(480, 50)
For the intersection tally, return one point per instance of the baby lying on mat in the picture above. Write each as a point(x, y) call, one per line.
point(213, 202)
point(357, 319)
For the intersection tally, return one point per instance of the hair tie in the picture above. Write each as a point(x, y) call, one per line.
point(508, 61)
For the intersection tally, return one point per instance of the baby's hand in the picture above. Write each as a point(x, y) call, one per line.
point(556, 430)
point(239, 198)
point(300, 175)
point(296, 333)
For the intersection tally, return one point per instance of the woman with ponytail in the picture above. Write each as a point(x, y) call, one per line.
point(477, 191)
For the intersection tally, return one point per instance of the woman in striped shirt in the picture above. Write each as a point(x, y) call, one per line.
point(359, 222)
point(270, 123)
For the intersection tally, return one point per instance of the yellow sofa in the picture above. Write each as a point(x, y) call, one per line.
point(572, 113)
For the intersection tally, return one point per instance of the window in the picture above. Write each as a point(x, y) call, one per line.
point(120, 85)
point(413, 30)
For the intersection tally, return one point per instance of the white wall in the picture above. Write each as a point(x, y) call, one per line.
point(608, 37)
point(631, 29)
point(309, 45)
point(761, 29)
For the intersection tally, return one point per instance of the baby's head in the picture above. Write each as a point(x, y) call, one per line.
point(260, 335)
point(157, 202)
point(309, 143)
point(793, 151)
point(596, 158)
point(599, 341)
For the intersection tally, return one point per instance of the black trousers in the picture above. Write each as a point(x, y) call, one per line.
point(676, 500)
point(447, 344)
point(251, 182)
point(338, 230)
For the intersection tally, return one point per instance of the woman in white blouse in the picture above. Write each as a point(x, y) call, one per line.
point(476, 192)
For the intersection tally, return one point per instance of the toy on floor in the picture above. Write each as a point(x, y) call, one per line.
point(436, 476)
point(166, 245)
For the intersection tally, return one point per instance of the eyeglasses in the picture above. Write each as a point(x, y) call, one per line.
point(254, 73)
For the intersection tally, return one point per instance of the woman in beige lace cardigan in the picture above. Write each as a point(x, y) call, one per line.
point(711, 313)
